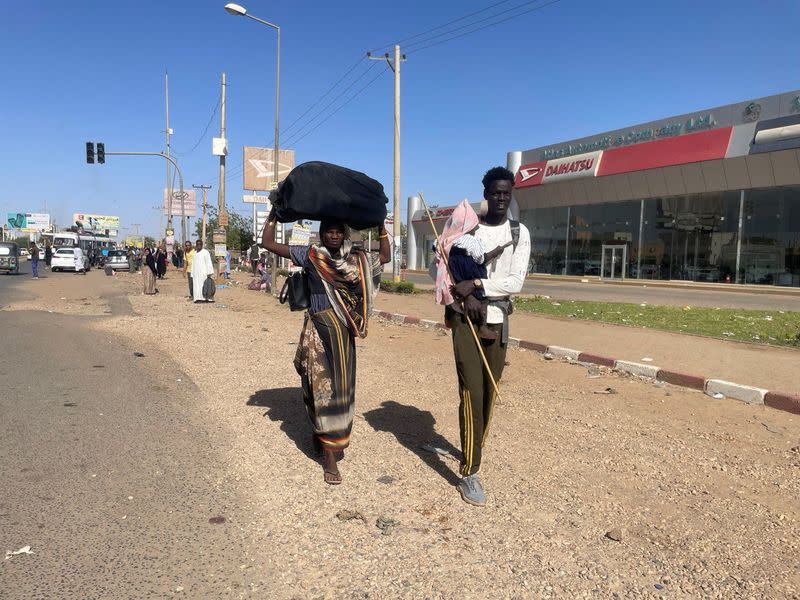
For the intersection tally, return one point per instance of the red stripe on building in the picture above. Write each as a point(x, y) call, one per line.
point(693, 147)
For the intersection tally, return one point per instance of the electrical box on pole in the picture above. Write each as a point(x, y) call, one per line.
point(90, 152)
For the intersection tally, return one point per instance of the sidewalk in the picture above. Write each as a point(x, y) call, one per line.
point(656, 283)
point(760, 366)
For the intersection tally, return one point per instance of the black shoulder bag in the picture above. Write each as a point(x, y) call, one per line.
point(295, 289)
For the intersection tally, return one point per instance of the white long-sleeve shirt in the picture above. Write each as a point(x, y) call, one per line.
point(506, 273)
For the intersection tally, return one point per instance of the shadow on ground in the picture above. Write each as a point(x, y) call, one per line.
point(285, 406)
point(413, 428)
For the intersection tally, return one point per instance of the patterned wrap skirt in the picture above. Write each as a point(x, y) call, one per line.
point(149, 280)
point(326, 362)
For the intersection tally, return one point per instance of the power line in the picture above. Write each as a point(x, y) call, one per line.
point(294, 140)
point(205, 131)
point(443, 25)
point(327, 106)
point(240, 167)
point(428, 43)
point(353, 97)
point(330, 89)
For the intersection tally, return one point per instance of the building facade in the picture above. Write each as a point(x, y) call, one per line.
point(707, 196)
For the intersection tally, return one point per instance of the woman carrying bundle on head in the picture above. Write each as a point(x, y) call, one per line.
point(342, 281)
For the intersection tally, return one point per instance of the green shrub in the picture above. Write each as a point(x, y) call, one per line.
point(401, 287)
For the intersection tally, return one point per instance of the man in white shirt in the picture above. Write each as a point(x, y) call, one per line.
point(202, 269)
point(505, 276)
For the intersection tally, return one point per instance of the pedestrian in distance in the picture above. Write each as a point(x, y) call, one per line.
point(161, 261)
point(254, 258)
point(179, 258)
point(34, 260)
point(149, 272)
point(48, 255)
point(504, 277)
point(131, 260)
point(202, 270)
point(228, 259)
point(188, 256)
point(342, 281)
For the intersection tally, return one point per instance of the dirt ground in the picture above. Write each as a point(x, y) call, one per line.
point(650, 492)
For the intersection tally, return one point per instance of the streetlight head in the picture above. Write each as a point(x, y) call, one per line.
point(236, 9)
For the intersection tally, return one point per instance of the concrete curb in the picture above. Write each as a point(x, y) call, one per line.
point(746, 393)
point(637, 369)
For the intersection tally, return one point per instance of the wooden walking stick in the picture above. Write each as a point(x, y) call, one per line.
point(469, 322)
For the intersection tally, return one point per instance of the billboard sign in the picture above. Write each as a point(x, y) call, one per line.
point(28, 222)
point(96, 222)
point(259, 167)
point(182, 205)
point(135, 241)
point(255, 199)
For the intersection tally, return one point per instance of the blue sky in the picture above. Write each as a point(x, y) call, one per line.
point(79, 71)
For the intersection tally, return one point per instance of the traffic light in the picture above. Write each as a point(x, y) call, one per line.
point(90, 152)
point(101, 153)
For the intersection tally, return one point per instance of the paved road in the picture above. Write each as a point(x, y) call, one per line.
point(10, 284)
point(601, 292)
point(106, 472)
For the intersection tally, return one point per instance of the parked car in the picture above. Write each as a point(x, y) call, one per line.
point(70, 259)
point(9, 257)
point(117, 259)
point(23, 252)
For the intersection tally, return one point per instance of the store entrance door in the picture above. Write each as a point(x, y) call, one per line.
point(614, 261)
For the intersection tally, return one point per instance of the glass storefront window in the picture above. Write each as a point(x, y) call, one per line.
point(771, 237)
point(690, 238)
point(596, 224)
point(548, 230)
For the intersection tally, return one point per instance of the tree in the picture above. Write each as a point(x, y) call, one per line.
point(149, 242)
point(238, 233)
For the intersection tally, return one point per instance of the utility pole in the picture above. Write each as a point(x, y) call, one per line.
point(221, 189)
point(137, 225)
point(204, 188)
point(394, 64)
point(167, 132)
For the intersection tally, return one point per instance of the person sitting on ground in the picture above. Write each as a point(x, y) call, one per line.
point(342, 281)
point(467, 260)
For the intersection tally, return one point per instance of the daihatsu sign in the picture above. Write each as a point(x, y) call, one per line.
point(559, 169)
point(572, 167)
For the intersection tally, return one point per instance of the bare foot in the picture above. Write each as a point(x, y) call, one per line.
point(330, 470)
point(487, 334)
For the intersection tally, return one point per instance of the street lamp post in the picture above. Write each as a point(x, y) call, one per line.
point(236, 9)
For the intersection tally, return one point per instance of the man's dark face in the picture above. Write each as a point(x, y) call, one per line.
point(498, 195)
point(199, 245)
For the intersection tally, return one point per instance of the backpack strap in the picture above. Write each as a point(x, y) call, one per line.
point(514, 233)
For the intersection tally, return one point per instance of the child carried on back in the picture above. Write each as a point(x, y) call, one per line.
point(467, 258)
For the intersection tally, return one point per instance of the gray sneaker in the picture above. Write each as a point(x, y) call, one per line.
point(472, 490)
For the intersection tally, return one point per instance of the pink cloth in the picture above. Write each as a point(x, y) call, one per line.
point(462, 221)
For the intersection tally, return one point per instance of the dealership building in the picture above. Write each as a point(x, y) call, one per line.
point(711, 196)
